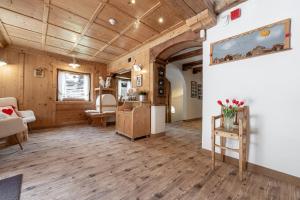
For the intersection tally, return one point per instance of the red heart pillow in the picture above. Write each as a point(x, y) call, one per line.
point(8, 111)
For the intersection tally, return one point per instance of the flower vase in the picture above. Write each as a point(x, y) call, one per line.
point(228, 123)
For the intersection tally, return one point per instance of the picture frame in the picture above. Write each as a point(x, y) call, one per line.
point(39, 72)
point(194, 89)
point(139, 80)
point(200, 90)
point(272, 38)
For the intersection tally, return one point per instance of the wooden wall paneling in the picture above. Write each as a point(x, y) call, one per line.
point(162, 11)
point(83, 8)
point(33, 8)
point(62, 33)
point(62, 44)
point(5, 39)
point(109, 11)
point(91, 42)
point(137, 9)
point(45, 22)
point(125, 43)
point(114, 50)
point(101, 33)
point(26, 43)
point(186, 55)
point(85, 50)
point(23, 33)
point(180, 8)
point(22, 21)
point(141, 33)
point(65, 19)
point(39, 94)
point(198, 6)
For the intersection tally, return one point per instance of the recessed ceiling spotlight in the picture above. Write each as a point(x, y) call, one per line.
point(131, 2)
point(161, 20)
point(112, 21)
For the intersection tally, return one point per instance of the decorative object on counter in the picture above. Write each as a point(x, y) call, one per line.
point(269, 39)
point(108, 82)
point(132, 93)
point(139, 80)
point(229, 111)
point(194, 89)
point(101, 82)
point(143, 96)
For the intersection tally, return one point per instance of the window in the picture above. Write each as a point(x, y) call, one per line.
point(123, 86)
point(73, 86)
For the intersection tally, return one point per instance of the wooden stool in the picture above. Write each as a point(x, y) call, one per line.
point(239, 133)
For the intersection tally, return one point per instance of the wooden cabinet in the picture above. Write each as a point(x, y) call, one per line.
point(133, 119)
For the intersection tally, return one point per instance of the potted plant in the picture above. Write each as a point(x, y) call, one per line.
point(229, 111)
point(143, 95)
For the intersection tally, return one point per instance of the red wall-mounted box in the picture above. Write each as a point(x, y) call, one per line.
point(235, 14)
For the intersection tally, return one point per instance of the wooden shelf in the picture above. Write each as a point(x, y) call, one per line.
point(105, 89)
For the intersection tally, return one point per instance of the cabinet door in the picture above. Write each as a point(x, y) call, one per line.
point(128, 124)
point(120, 122)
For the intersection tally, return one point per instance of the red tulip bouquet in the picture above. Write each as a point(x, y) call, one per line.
point(230, 109)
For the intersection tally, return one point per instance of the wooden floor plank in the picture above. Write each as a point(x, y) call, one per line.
point(90, 163)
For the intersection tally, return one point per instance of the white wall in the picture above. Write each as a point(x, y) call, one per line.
point(185, 106)
point(269, 84)
point(192, 106)
point(174, 75)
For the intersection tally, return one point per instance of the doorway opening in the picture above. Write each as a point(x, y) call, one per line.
point(180, 87)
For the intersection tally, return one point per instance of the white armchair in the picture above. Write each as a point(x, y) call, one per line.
point(11, 126)
point(27, 115)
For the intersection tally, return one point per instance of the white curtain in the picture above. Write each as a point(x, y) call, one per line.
point(61, 85)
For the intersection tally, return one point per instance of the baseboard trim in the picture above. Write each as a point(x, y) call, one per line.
point(194, 119)
point(158, 134)
point(258, 169)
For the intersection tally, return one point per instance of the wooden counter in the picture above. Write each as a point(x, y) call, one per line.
point(133, 119)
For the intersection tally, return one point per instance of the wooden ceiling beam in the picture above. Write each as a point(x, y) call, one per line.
point(45, 22)
point(183, 56)
point(128, 28)
point(90, 22)
point(197, 70)
point(190, 65)
point(4, 37)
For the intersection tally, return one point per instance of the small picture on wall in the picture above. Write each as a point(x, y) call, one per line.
point(39, 72)
point(194, 89)
point(161, 72)
point(265, 40)
point(139, 80)
point(200, 91)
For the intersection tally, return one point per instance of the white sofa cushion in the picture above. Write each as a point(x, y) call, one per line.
point(27, 115)
point(9, 101)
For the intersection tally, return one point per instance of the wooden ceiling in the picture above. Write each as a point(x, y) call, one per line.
point(81, 26)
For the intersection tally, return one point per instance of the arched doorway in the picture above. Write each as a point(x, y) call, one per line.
point(160, 56)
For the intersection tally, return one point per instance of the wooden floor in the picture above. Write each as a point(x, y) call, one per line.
point(83, 162)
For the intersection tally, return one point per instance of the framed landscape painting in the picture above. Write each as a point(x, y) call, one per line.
point(265, 40)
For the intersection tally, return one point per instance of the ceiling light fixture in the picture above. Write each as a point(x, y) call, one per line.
point(74, 65)
point(131, 2)
point(161, 20)
point(2, 63)
point(137, 24)
point(112, 21)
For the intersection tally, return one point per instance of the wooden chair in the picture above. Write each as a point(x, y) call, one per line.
point(239, 132)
